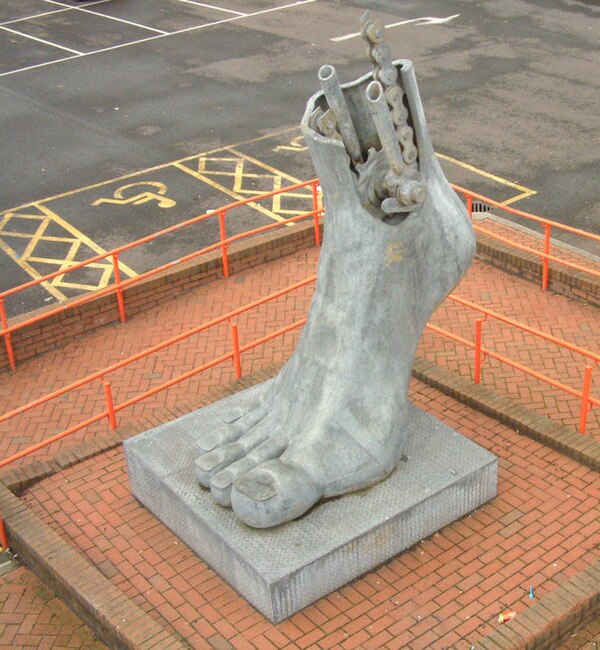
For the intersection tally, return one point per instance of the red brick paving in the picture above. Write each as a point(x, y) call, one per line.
point(446, 591)
point(32, 618)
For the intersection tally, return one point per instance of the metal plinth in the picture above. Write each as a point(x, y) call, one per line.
point(442, 477)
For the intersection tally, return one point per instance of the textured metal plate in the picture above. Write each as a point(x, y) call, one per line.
point(443, 477)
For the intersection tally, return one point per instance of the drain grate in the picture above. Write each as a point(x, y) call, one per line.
point(480, 206)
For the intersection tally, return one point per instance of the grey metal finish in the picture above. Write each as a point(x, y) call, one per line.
point(442, 476)
point(335, 98)
point(397, 240)
point(385, 127)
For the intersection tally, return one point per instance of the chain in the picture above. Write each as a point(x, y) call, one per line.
point(386, 73)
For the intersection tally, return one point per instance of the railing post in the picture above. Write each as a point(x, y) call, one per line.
point(237, 358)
point(7, 340)
point(585, 398)
point(110, 405)
point(117, 274)
point(3, 535)
point(316, 212)
point(546, 261)
point(478, 336)
point(470, 205)
point(223, 236)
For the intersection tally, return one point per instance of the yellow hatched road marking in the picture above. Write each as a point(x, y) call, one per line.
point(277, 173)
point(234, 171)
point(225, 190)
point(33, 252)
point(525, 191)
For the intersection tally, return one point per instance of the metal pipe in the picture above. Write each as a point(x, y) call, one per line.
point(380, 112)
point(223, 237)
point(545, 260)
point(586, 404)
point(337, 103)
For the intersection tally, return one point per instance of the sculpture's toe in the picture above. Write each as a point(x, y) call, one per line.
point(222, 482)
point(272, 494)
point(236, 423)
point(207, 465)
point(221, 436)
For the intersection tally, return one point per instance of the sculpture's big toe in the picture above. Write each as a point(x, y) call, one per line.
point(272, 494)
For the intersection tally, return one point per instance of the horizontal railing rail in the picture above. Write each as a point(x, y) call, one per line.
point(112, 409)
point(481, 353)
point(545, 255)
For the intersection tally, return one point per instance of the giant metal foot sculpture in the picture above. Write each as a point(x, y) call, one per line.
point(397, 240)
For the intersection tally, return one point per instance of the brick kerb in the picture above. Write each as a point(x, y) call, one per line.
point(523, 420)
point(551, 619)
point(79, 584)
point(563, 280)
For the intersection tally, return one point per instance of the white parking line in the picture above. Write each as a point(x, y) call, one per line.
point(86, 10)
point(149, 38)
point(230, 20)
point(89, 4)
point(424, 20)
point(40, 40)
point(201, 4)
point(121, 20)
point(45, 13)
point(54, 11)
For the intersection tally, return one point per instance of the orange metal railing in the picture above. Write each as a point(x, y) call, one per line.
point(480, 354)
point(112, 409)
point(119, 285)
point(545, 256)
point(316, 213)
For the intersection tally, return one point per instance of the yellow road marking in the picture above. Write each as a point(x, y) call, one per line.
point(141, 197)
point(296, 144)
point(33, 252)
point(259, 163)
point(155, 168)
point(225, 190)
point(31, 271)
point(277, 199)
point(230, 155)
point(234, 168)
point(525, 191)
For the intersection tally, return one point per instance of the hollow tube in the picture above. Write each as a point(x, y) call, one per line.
point(337, 103)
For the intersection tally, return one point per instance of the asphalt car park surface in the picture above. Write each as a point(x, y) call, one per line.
point(192, 105)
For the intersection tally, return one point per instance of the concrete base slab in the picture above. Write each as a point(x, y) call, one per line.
point(442, 477)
